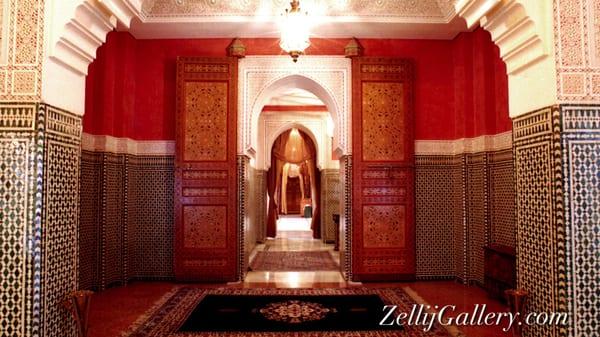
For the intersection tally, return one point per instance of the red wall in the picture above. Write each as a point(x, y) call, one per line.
point(461, 84)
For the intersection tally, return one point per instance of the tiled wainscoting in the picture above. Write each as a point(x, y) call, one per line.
point(464, 201)
point(252, 208)
point(39, 162)
point(126, 229)
point(330, 202)
point(557, 160)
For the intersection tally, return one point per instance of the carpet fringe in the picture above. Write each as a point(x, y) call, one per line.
point(146, 315)
point(452, 329)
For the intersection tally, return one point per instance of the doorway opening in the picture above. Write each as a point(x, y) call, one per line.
point(298, 245)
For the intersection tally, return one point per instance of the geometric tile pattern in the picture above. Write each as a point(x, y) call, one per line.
point(461, 252)
point(113, 232)
point(539, 220)
point(14, 166)
point(60, 217)
point(21, 188)
point(126, 218)
point(245, 216)
point(501, 198)
point(150, 194)
point(577, 48)
point(438, 212)
point(89, 219)
point(261, 205)
point(581, 162)
point(330, 202)
point(477, 214)
point(21, 51)
point(461, 204)
point(346, 216)
point(40, 189)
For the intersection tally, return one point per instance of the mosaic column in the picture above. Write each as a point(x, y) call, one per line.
point(39, 160)
point(346, 216)
point(243, 163)
point(540, 215)
point(580, 140)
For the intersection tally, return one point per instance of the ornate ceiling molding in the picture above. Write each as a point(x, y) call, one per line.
point(81, 36)
point(515, 32)
point(427, 10)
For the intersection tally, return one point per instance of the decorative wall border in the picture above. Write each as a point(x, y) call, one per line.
point(346, 217)
point(104, 143)
point(485, 143)
point(577, 49)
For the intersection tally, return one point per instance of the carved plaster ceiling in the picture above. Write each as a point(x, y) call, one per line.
point(424, 9)
point(433, 19)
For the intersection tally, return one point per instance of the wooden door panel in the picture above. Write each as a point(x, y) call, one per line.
point(383, 240)
point(205, 170)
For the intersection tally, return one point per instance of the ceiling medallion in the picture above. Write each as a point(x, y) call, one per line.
point(295, 31)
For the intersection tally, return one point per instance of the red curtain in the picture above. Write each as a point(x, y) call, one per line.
point(305, 156)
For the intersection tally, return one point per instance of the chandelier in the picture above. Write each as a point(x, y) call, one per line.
point(295, 31)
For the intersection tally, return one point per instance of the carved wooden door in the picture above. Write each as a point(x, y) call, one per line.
point(383, 239)
point(205, 170)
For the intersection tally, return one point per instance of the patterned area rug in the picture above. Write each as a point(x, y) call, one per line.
point(171, 312)
point(293, 261)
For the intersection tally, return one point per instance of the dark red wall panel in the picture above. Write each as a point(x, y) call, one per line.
point(461, 85)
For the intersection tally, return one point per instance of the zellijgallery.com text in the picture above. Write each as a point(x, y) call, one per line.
point(422, 315)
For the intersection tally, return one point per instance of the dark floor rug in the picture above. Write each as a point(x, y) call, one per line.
point(230, 312)
point(293, 261)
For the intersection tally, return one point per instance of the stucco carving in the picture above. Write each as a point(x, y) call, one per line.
point(440, 10)
point(261, 77)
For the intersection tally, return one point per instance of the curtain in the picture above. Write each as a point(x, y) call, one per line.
point(293, 147)
point(315, 188)
point(284, 180)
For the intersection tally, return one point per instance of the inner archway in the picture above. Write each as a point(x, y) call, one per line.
point(322, 113)
point(295, 247)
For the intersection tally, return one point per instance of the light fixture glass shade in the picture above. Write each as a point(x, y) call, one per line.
point(295, 31)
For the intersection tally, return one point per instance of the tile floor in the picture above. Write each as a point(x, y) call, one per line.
point(293, 234)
